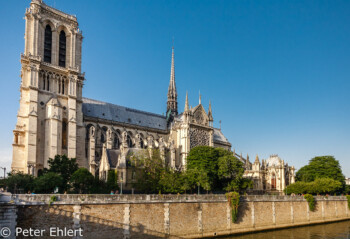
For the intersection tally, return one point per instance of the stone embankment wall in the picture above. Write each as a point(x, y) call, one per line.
point(153, 216)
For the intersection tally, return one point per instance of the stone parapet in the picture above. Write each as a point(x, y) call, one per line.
point(38, 199)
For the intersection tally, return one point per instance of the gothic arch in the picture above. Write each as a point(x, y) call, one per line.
point(273, 180)
point(103, 137)
point(48, 35)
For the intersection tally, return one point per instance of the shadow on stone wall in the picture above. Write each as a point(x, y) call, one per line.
point(243, 210)
point(44, 217)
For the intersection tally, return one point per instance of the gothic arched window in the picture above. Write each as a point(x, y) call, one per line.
point(47, 44)
point(48, 83)
point(129, 141)
point(142, 145)
point(62, 49)
point(103, 134)
point(64, 134)
point(116, 142)
point(273, 181)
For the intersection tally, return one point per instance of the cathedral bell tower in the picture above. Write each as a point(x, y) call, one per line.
point(171, 109)
point(49, 119)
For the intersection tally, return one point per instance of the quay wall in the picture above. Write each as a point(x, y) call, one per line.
point(171, 216)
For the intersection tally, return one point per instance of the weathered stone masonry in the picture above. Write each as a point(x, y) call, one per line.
point(157, 216)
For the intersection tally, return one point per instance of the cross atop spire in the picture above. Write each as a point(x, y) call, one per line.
point(172, 93)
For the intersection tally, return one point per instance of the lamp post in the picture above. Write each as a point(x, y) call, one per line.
point(4, 168)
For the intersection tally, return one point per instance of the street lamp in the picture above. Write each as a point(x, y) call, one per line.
point(4, 168)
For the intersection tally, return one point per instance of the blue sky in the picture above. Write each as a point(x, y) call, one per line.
point(276, 72)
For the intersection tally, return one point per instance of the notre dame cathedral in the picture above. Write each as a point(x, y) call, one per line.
point(54, 118)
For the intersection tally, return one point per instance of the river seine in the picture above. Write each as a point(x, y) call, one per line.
point(337, 230)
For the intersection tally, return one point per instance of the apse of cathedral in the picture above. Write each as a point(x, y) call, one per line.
point(55, 119)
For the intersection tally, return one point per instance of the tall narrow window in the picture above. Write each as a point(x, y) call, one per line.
point(48, 83)
point(63, 87)
point(62, 50)
point(47, 44)
point(64, 134)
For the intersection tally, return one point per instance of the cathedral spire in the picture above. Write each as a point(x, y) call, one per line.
point(172, 94)
point(200, 98)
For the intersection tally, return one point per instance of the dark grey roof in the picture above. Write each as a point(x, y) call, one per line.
point(219, 136)
point(107, 111)
point(112, 156)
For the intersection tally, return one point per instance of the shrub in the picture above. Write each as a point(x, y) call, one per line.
point(52, 199)
point(19, 182)
point(82, 180)
point(233, 200)
point(319, 186)
point(311, 200)
point(348, 197)
point(48, 182)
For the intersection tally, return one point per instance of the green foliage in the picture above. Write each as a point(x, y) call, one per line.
point(230, 172)
point(48, 182)
point(311, 200)
point(321, 167)
point(19, 182)
point(52, 200)
point(348, 197)
point(82, 180)
point(205, 159)
point(172, 182)
point(319, 186)
point(347, 189)
point(233, 199)
point(63, 166)
point(112, 180)
point(153, 170)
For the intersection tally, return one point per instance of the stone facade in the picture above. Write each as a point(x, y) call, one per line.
point(272, 175)
point(49, 119)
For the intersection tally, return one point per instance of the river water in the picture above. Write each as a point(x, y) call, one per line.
point(336, 230)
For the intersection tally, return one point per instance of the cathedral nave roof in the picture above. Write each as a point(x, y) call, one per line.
point(117, 113)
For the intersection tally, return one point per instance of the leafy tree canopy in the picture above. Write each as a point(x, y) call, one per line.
point(19, 182)
point(319, 186)
point(63, 166)
point(205, 159)
point(321, 167)
point(82, 180)
point(48, 182)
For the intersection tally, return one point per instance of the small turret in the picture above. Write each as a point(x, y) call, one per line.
point(210, 115)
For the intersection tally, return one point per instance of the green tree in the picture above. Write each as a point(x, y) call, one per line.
point(63, 166)
point(325, 185)
point(18, 182)
point(319, 186)
point(171, 182)
point(198, 178)
point(205, 160)
point(230, 172)
point(152, 171)
point(82, 180)
point(48, 182)
point(112, 180)
point(321, 167)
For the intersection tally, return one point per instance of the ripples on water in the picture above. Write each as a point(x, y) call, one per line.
point(337, 230)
